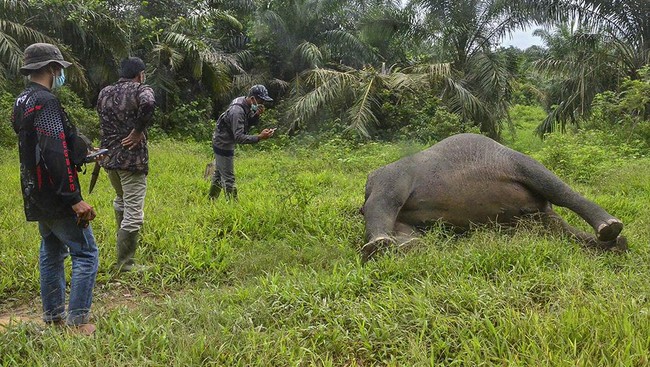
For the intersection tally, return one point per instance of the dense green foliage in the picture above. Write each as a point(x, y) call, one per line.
point(202, 53)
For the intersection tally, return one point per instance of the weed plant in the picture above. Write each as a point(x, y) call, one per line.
point(275, 279)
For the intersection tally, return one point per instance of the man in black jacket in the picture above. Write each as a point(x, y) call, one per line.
point(231, 129)
point(51, 191)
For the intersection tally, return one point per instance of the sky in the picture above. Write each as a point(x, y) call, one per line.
point(522, 40)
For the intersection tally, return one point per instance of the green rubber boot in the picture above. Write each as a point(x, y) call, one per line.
point(231, 194)
point(215, 190)
point(127, 242)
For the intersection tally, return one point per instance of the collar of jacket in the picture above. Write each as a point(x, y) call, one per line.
point(125, 80)
point(36, 86)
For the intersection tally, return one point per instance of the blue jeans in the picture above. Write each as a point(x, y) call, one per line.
point(60, 238)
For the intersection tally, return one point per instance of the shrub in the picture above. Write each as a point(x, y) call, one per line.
point(428, 129)
point(7, 134)
point(191, 120)
point(627, 112)
point(584, 154)
point(419, 118)
point(85, 119)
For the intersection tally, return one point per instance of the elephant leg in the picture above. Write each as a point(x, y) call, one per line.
point(375, 247)
point(380, 213)
point(403, 238)
point(381, 209)
point(406, 236)
point(547, 184)
point(556, 223)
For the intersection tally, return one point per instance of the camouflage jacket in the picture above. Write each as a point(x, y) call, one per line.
point(122, 107)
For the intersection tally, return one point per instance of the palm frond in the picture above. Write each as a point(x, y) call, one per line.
point(360, 114)
point(462, 101)
point(164, 54)
point(349, 45)
point(23, 34)
point(409, 82)
point(275, 25)
point(328, 87)
point(188, 48)
point(10, 52)
point(433, 71)
point(309, 54)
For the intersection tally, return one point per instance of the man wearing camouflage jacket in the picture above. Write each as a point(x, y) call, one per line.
point(125, 111)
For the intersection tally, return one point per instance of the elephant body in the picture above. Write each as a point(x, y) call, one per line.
point(470, 179)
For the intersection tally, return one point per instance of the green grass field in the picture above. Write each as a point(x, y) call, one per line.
point(275, 280)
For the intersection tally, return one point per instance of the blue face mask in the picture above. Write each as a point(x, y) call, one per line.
point(58, 80)
point(254, 107)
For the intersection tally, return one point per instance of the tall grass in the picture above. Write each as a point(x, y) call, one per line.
point(275, 279)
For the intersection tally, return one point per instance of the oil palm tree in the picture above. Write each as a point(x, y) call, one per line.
point(354, 96)
point(577, 67)
point(467, 74)
point(190, 59)
point(611, 41)
point(299, 35)
point(465, 33)
point(18, 30)
point(84, 31)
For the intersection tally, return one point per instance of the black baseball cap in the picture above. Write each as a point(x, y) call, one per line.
point(259, 91)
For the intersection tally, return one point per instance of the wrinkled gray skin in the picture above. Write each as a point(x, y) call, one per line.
point(470, 179)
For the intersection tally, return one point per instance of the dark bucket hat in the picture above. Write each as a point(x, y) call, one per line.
point(38, 55)
point(260, 92)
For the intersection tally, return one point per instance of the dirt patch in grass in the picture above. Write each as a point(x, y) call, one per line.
point(106, 297)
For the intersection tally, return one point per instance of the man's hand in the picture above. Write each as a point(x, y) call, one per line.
point(266, 133)
point(260, 110)
point(85, 213)
point(133, 139)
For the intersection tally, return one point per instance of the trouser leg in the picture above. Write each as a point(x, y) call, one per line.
point(231, 193)
point(226, 168)
point(130, 188)
point(80, 244)
point(119, 217)
point(85, 263)
point(216, 184)
point(52, 273)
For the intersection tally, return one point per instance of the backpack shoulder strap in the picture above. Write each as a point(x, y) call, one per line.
point(223, 114)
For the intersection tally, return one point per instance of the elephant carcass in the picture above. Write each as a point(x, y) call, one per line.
point(470, 179)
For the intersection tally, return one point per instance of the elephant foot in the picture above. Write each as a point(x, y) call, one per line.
point(609, 230)
point(374, 247)
point(617, 245)
point(405, 244)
